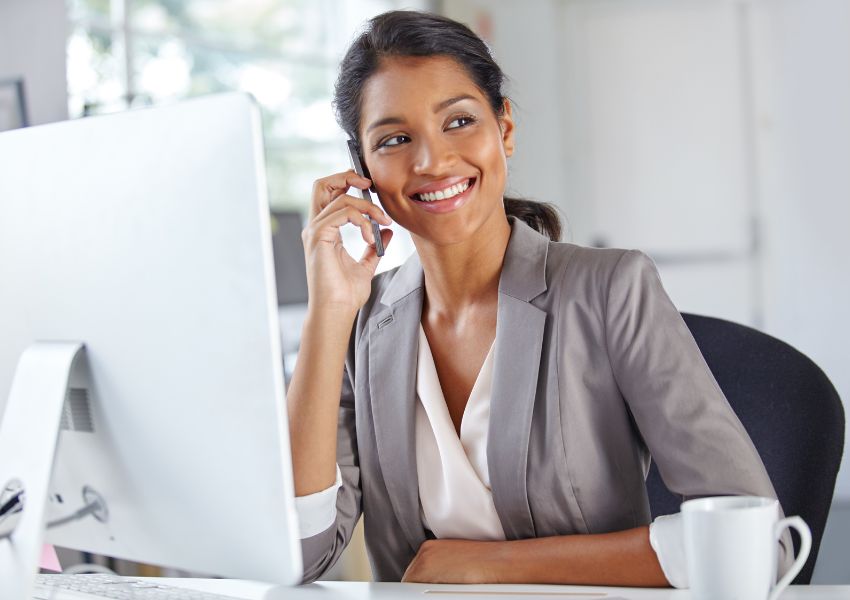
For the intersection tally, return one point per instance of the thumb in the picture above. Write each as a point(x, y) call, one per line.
point(370, 258)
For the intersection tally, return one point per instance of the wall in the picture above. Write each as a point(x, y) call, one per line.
point(32, 45)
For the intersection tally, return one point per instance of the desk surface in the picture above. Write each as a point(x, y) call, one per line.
point(339, 590)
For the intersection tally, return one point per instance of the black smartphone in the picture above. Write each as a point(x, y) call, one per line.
point(360, 168)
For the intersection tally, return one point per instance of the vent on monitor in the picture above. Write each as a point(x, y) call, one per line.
point(76, 416)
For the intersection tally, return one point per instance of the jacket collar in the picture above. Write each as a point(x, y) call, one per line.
point(523, 270)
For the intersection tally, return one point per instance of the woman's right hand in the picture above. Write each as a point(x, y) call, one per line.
point(334, 279)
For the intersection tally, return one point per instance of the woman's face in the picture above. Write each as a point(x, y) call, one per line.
point(426, 128)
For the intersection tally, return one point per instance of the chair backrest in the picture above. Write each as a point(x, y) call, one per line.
point(791, 411)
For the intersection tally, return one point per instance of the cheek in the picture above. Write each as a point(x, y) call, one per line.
point(386, 178)
point(388, 170)
point(493, 160)
point(389, 182)
point(487, 146)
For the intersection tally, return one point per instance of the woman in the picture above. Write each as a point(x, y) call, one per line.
point(494, 400)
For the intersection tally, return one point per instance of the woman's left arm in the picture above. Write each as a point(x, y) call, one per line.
point(622, 558)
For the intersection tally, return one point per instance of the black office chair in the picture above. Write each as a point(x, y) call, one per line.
point(791, 411)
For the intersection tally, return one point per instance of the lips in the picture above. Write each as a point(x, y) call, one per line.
point(447, 204)
point(443, 186)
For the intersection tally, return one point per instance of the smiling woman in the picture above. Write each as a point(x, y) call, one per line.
point(491, 404)
point(430, 145)
point(438, 57)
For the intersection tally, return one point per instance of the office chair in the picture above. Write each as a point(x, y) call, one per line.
point(790, 410)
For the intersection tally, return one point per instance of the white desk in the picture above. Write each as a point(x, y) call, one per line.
point(339, 590)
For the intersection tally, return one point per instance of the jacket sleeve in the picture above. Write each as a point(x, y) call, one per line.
point(321, 551)
point(695, 438)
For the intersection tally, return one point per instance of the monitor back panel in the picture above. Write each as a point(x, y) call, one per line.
point(146, 236)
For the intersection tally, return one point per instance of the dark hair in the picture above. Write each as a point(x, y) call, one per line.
point(416, 33)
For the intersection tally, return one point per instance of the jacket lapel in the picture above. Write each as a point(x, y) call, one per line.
point(393, 347)
point(519, 342)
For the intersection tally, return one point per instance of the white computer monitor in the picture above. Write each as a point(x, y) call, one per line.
point(145, 236)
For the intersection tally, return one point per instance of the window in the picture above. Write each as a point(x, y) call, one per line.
point(129, 53)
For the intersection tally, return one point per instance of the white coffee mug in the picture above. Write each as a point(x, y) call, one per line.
point(731, 547)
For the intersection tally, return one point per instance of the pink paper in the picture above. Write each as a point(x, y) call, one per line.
point(49, 560)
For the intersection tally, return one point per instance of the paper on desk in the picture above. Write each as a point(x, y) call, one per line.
point(49, 560)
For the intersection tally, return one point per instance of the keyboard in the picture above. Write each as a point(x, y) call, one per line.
point(90, 587)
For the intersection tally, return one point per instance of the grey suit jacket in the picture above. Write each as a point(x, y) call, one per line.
point(595, 371)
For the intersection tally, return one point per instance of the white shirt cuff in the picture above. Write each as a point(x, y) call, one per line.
point(666, 536)
point(317, 512)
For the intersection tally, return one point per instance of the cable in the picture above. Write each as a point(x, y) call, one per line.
point(88, 509)
point(18, 508)
point(11, 503)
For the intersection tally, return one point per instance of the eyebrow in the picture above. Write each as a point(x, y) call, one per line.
point(437, 108)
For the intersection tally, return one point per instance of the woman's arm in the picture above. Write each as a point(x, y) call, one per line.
point(320, 399)
point(697, 442)
point(623, 558)
point(314, 399)
point(338, 286)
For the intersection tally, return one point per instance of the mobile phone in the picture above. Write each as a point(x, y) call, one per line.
point(360, 168)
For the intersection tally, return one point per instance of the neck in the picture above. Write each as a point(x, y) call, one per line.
point(462, 275)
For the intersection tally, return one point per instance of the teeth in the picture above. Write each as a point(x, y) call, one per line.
point(446, 193)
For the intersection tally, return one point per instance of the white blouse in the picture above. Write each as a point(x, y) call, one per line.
point(453, 471)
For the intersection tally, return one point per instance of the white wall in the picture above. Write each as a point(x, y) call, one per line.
point(659, 148)
point(32, 45)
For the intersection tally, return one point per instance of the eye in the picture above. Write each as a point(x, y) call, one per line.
point(468, 120)
point(389, 141)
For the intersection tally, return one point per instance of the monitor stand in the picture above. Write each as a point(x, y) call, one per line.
point(29, 435)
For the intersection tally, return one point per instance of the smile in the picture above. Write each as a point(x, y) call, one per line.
point(445, 200)
point(449, 192)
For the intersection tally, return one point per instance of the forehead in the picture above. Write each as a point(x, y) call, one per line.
point(404, 83)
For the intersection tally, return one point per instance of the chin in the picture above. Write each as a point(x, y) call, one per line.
point(451, 232)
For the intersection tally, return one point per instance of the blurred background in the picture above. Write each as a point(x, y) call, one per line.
point(712, 134)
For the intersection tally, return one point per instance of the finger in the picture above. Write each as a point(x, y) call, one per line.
point(328, 188)
point(327, 229)
point(364, 206)
point(370, 258)
point(339, 182)
point(346, 214)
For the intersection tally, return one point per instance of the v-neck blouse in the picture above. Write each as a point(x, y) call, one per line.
point(454, 481)
point(454, 484)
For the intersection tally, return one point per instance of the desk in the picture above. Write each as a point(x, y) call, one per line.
point(340, 590)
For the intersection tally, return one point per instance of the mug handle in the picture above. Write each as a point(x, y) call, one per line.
point(805, 547)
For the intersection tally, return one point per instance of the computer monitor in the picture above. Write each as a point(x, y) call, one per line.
point(145, 236)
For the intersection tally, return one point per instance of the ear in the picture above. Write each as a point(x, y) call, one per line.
point(506, 124)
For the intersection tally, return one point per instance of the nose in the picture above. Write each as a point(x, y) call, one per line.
point(434, 155)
